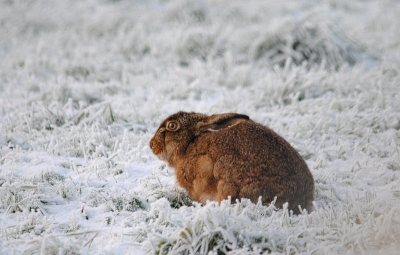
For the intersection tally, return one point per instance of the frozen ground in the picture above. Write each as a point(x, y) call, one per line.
point(85, 84)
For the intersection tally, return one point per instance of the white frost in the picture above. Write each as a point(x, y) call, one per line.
point(85, 84)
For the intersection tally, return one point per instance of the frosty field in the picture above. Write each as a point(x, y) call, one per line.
point(85, 84)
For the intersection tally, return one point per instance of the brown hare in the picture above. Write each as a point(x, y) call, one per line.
point(228, 154)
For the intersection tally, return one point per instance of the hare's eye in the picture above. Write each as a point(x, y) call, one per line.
point(172, 126)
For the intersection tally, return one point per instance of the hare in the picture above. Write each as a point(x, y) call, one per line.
point(229, 155)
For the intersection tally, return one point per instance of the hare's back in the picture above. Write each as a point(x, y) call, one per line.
point(255, 148)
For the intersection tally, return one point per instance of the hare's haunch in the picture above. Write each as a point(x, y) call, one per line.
point(230, 155)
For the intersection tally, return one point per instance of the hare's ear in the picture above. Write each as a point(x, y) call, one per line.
point(219, 121)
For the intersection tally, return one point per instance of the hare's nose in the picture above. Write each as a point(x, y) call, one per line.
point(151, 144)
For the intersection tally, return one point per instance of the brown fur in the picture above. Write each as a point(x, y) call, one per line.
point(230, 155)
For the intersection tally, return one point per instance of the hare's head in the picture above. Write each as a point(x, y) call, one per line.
point(180, 129)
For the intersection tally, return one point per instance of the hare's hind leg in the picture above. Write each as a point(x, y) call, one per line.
point(226, 190)
point(226, 186)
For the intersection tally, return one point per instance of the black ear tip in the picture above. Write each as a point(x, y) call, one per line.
point(244, 116)
point(231, 116)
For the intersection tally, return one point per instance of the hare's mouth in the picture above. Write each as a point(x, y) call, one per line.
point(160, 153)
point(163, 157)
point(158, 150)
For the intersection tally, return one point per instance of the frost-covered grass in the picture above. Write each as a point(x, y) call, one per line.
point(85, 84)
